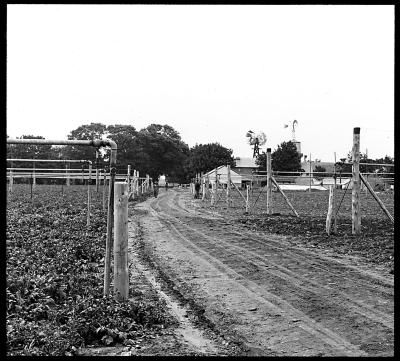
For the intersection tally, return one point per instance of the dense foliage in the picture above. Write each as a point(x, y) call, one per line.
point(205, 157)
point(54, 293)
point(284, 158)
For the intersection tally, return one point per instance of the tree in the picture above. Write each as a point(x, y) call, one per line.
point(84, 132)
point(125, 137)
point(160, 150)
point(205, 157)
point(284, 158)
point(319, 169)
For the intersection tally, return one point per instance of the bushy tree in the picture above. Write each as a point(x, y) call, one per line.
point(160, 150)
point(126, 138)
point(205, 157)
point(84, 132)
point(284, 158)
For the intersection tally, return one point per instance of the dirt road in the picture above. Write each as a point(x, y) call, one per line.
point(261, 293)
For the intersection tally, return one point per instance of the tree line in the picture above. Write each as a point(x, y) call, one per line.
point(159, 149)
point(155, 150)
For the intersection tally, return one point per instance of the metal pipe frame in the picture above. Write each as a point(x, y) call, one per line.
point(51, 160)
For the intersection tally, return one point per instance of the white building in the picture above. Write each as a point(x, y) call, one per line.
point(222, 174)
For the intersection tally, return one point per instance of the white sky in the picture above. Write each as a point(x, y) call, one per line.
point(211, 72)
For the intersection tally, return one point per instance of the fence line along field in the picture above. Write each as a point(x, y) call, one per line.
point(375, 243)
point(55, 266)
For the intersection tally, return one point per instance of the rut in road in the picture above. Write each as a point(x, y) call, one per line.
point(345, 309)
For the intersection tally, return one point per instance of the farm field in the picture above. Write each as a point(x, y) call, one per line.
point(204, 280)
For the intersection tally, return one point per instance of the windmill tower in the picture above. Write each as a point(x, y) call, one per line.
point(256, 140)
point(296, 143)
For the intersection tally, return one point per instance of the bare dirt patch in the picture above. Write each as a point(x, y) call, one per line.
point(265, 293)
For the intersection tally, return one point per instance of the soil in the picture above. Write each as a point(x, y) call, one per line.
point(236, 289)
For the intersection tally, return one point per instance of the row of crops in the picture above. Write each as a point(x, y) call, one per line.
point(55, 270)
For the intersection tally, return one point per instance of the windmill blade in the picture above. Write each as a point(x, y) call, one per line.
point(262, 138)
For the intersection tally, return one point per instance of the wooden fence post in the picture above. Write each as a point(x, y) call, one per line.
point(110, 212)
point(333, 198)
point(269, 182)
point(203, 181)
point(330, 211)
point(129, 177)
point(309, 189)
point(247, 197)
point(104, 189)
point(137, 183)
point(121, 273)
point(213, 190)
point(11, 181)
point(228, 186)
point(34, 176)
point(88, 195)
point(67, 174)
point(355, 193)
point(97, 170)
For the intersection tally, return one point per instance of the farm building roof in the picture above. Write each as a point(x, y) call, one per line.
point(222, 171)
point(245, 162)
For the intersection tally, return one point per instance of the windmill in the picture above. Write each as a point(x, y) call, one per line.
point(296, 143)
point(295, 122)
point(257, 140)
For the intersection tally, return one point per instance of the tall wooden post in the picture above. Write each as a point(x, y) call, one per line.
point(88, 195)
point(128, 180)
point(355, 194)
point(121, 274)
point(330, 211)
point(34, 176)
point(333, 197)
point(247, 197)
point(110, 213)
point(269, 182)
point(11, 181)
point(216, 185)
point(137, 182)
point(67, 174)
point(104, 189)
point(203, 181)
point(228, 186)
point(97, 170)
point(310, 174)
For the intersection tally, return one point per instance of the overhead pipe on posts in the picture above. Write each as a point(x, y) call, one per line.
point(97, 143)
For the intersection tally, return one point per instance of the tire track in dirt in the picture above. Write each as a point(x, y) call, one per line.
point(310, 339)
point(291, 277)
point(268, 245)
point(248, 266)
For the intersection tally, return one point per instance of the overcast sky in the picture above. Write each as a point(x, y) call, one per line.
point(211, 72)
